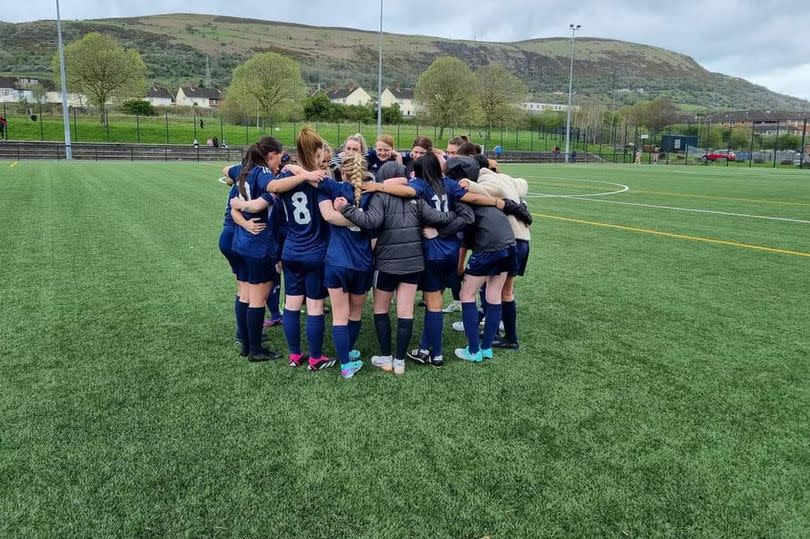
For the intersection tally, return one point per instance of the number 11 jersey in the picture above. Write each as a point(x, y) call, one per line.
point(307, 232)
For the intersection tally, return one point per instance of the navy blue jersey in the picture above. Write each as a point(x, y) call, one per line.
point(373, 162)
point(233, 173)
point(349, 247)
point(307, 232)
point(265, 243)
point(440, 248)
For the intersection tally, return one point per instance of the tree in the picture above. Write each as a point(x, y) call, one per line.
point(139, 107)
point(318, 107)
point(98, 66)
point(39, 93)
point(498, 94)
point(268, 85)
point(392, 114)
point(655, 114)
point(446, 89)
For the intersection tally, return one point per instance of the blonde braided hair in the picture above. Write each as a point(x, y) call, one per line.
point(354, 171)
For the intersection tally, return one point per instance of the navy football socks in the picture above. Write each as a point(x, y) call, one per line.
point(340, 336)
point(315, 328)
point(292, 330)
point(469, 314)
point(491, 323)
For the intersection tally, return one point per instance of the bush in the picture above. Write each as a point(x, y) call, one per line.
point(138, 106)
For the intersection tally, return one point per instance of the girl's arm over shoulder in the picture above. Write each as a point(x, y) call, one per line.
point(331, 215)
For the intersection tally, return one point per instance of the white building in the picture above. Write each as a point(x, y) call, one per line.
point(22, 89)
point(350, 96)
point(159, 97)
point(206, 98)
point(404, 98)
point(541, 107)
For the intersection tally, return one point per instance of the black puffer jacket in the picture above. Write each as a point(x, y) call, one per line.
point(400, 221)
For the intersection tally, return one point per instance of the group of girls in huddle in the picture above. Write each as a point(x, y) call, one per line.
point(341, 225)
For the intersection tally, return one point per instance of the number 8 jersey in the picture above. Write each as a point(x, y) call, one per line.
point(307, 232)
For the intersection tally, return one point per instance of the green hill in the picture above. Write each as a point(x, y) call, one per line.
point(174, 47)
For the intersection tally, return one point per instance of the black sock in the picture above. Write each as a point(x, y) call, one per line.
point(241, 324)
point(404, 330)
point(255, 319)
point(239, 335)
point(382, 326)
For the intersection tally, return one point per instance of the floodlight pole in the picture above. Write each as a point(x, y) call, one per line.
point(379, 77)
point(65, 112)
point(574, 28)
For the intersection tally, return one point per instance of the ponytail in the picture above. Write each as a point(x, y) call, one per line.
point(429, 169)
point(256, 155)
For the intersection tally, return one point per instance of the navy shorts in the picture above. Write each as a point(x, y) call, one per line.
point(439, 274)
point(492, 263)
point(304, 279)
point(388, 282)
point(351, 281)
point(234, 259)
point(259, 270)
point(522, 254)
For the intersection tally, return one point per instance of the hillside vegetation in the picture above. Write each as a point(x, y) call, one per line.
point(174, 48)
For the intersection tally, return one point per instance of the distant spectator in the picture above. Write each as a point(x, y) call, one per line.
point(574, 156)
point(556, 153)
point(202, 124)
point(498, 151)
point(3, 124)
point(196, 143)
point(637, 159)
point(216, 142)
point(209, 143)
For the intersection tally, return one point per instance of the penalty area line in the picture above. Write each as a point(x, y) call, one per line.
point(675, 236)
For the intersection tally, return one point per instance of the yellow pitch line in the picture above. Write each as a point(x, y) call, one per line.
point(722, 198)
point(14, 164)
point(673, 235)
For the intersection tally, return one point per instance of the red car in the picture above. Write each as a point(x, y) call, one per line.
point(720, 154)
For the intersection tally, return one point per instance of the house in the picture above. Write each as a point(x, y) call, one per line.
point(403, 98)
point(533, 107)
point(159, 97)
point(205, 98)
point(764, 122)
point(24, 89)
point(350, 96)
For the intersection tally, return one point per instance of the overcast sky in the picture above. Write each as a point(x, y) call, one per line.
point(763, 41)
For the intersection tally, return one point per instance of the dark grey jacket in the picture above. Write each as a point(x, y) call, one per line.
point(400, 221)
point(490, 232)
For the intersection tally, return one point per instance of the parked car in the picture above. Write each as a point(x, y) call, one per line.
point(720, 154)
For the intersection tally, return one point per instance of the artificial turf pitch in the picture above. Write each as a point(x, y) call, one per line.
point(661, 388)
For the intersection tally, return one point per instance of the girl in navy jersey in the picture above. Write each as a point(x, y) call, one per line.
point(348, 260)
point(259, 252)
point(304, 252)
point(382, 153)
point(254, 226)
point(354, 144)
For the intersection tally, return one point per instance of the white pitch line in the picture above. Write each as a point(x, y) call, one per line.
point(623, 189)
point(695, 210)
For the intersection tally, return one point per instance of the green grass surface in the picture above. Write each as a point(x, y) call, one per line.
point(661, 388)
